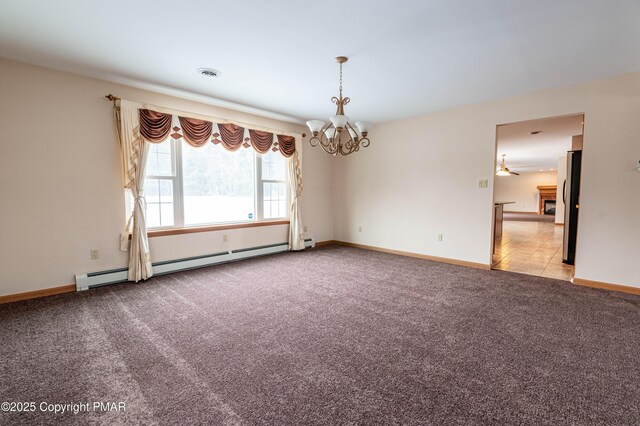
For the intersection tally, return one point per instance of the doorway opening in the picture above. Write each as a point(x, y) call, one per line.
point(536, 196)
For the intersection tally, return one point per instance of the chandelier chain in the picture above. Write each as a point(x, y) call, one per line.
point(340, 80)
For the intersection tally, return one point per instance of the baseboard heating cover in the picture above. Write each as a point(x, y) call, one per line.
point(97, 279)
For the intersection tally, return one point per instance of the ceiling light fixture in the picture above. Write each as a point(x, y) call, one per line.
point(330, 137)
point(504, 170)
point(209, 72)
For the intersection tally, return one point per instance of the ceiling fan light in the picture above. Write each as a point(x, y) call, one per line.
point(315, 126)
point(502, 173)
point(364, 126)
point(339, 121)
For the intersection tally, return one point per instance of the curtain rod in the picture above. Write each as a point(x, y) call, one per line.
point(112, 98)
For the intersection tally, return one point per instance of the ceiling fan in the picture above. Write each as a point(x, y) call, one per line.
point(504, 170)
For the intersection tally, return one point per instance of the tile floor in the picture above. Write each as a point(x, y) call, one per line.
point(533, 248)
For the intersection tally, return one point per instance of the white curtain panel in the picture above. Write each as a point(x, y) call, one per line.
point(134, 150)
point(296, 233)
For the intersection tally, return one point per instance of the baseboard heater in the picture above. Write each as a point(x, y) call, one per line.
point(114, 276)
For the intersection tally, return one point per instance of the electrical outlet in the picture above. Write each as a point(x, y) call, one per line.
point(95, 254)
point(483, 183)
point(359, 228)
point(225, 238)
point(439, 237)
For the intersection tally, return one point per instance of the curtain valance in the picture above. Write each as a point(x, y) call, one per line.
point(196, 132)
point(231, 136)
point(261, 141)
point(156, 127)
point(287, 145)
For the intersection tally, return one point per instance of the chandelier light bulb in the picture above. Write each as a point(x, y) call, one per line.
point(315, 126)
point(364, 127)
point(339, 121)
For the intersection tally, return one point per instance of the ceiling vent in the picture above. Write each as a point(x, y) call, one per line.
point(209, 72)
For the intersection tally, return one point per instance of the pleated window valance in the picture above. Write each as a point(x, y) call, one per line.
point(157, 126)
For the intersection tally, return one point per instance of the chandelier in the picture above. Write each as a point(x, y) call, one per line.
point(330, 138)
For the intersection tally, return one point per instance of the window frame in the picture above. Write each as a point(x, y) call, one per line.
point(175, 185)
point(178, 196)
point(260, 189)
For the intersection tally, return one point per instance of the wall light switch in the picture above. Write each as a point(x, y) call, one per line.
point(483, 183)
point(440, 237)
point(225, 238)
point(304, 229)
point(95, 254)
point(359, 228)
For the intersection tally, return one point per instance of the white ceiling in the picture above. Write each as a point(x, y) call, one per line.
point(530, 153)
point(407, 57)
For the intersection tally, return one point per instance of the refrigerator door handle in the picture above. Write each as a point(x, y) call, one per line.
point(564, 192)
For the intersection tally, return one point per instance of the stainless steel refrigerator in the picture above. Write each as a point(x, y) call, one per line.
point(571, 199)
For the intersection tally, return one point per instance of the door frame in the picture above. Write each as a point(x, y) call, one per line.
point(493, 187)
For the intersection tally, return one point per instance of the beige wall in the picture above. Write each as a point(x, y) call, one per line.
point(523, 190)
point(419, 178)
point(61, 188)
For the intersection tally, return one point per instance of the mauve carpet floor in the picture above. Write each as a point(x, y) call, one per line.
point(328, 336)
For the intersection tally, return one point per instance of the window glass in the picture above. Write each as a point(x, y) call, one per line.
point(159, 159)
point(274, 166)
point(159, 197)
point(218, 185)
